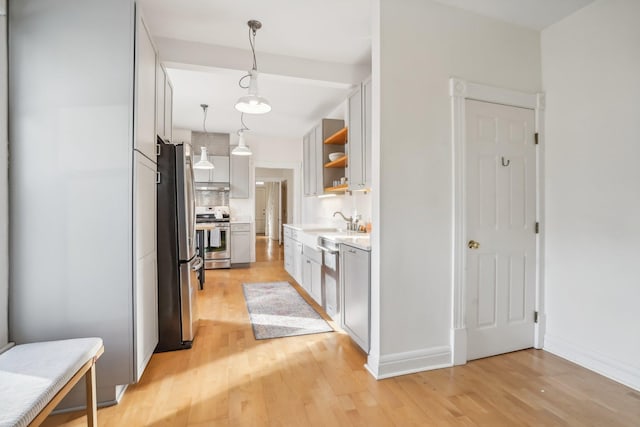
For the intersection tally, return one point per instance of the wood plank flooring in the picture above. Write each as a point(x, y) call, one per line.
point(230, 379)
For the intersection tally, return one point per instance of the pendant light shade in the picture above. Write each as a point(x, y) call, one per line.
point(253, 103)
point(204, 163)
point(241, 149)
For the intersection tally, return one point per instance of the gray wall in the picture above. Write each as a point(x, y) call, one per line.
point(71, 102)
point(4, 218)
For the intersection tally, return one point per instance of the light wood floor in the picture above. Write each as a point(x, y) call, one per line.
point(230, 379)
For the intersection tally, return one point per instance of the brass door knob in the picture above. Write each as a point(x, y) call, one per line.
point(473, 244)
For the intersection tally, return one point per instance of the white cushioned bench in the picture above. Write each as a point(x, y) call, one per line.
point(35, 377)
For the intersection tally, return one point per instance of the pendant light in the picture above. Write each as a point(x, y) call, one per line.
point(252, 103)
point(241, 149)
point(204, 162)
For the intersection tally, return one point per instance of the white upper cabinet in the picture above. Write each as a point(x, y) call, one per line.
point(145, 94)
point(306, 164)
point(164, 103)
point(219, 173)
point(312, 162)
point(160, 88)
point(239, 182)
point(168, 109)
point(317, 176)
point(359, 140)
point(201, 175)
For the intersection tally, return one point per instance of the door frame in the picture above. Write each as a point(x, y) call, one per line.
point(460, 90)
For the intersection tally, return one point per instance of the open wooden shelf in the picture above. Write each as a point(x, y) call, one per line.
point(339, 189)
point(338, 163)
point(339, 137)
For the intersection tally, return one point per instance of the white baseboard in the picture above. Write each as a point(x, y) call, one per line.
point(393, 365)
point(604, 365)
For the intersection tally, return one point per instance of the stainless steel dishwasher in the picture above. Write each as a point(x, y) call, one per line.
point(331, 277)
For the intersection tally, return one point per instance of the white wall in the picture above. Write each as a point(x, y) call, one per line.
point(4, 200)
point(270, 149)
point(591, 67)
point(181, 135)
point(421, 45)
point(320, 210)
point(270, 152)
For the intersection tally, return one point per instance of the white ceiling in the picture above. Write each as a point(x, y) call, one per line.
point(327, 30)
point(313, 50)
point(536, 14)
point(297, 104)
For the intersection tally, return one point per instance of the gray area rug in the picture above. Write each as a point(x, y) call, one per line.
point(276, 310)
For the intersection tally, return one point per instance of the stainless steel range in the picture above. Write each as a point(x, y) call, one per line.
point(216, 244)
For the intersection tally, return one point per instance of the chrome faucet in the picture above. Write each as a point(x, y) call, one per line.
point(351, 221)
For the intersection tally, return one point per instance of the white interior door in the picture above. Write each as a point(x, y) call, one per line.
point(500, 228)
point(261, 205)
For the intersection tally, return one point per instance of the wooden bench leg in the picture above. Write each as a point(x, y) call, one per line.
point(92, 402)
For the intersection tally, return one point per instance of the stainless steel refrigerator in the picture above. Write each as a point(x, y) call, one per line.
point(177, 259)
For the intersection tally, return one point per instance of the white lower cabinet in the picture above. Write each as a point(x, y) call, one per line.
point(292, 254)
point(288, 254)
point(241, 243)
point(356, 285)
point(145, 281)
point(312, 272)
point(297, 261)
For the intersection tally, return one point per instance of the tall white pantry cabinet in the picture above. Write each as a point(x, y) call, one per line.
point(82, 100)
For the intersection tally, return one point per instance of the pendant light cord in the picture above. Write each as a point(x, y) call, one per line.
point(252, 42)
point(244, 126)
point(204, 119)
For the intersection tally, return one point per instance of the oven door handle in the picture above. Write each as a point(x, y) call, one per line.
point(331, 251)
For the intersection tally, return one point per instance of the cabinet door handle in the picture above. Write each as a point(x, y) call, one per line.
point(158, 177)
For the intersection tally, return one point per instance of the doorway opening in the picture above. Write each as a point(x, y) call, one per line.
point(272, 201)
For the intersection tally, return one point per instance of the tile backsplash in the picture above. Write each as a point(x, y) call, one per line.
point(212, 198)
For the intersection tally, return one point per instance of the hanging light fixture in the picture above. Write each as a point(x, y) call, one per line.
point(241, 149)
point(204, 162)
point(252, 103)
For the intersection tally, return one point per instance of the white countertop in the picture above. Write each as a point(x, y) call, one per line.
point(351, 238)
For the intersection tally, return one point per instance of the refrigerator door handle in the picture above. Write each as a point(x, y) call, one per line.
point(197, 263)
